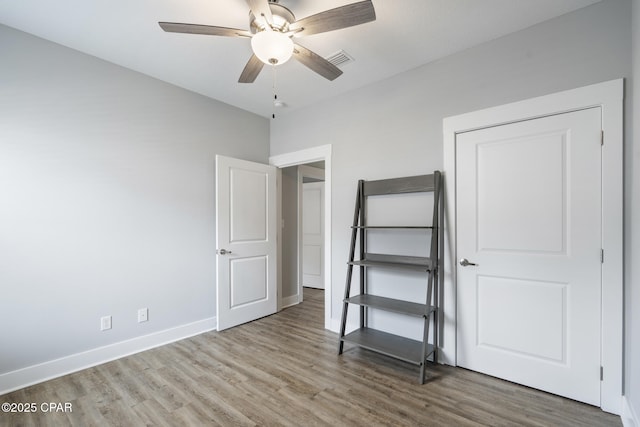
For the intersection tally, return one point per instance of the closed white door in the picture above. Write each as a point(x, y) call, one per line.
point(246, 241)
point(529, 215)
point(313, 235)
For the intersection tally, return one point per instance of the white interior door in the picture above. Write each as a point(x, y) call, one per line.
point(313, 235)
point(246, 241)
point(529, 215)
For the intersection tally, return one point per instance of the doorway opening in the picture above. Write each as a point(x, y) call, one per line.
point(310, 226)
point(302, 230)
point(295, 168)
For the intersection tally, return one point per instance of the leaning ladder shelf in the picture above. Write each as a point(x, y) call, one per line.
point(405, 349)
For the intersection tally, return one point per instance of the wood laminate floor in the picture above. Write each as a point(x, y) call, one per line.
point(284, 370)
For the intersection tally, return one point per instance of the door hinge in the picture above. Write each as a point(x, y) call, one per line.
point(601, 373)
point(601, 256)
point(601, 137)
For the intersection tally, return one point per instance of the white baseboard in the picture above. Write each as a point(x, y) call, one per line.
point(334, 325)
point(629, 416)
point(30, 375)
point(289, 301)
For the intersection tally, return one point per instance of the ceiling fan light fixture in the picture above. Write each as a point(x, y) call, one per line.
point(272, 47)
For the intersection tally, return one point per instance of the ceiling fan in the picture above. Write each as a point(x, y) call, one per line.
point(272, 27)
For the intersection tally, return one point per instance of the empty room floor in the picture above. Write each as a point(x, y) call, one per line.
point(284, 370)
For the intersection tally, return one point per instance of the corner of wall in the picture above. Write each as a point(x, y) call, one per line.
point(629, 417)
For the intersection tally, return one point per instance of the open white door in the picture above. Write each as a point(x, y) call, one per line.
point(246, 241)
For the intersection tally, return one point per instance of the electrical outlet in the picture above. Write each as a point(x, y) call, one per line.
point(105, 323)
point(143, 315)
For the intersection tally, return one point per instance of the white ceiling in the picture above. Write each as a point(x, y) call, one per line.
point(405, 35)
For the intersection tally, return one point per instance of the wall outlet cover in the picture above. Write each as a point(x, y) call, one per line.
point(105, 323)
point(143, 315)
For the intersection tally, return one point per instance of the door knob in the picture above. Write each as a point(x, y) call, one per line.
point(223, 252)
point(465, 262)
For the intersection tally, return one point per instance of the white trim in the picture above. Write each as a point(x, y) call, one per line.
point(30, 375)
point(315, 154)
point(280, 299)
point(609, 97)
point(334, 325)
point(629, 417)
point(289, 301)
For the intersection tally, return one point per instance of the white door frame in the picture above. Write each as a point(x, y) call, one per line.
point(315, 154)
point(610, 97)
point(308, 172)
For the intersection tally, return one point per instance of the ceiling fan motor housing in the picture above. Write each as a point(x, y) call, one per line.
point(282, 18)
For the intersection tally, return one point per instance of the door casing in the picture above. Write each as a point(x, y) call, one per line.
point(610, 96)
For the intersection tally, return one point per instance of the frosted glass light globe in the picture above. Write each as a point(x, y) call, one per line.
point(272, 47)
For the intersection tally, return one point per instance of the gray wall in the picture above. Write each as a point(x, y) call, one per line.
point(394, 128)
point(632, 354)
point(289, 262)
point(106, 199)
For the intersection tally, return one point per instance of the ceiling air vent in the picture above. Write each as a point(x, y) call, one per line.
point(340, 58)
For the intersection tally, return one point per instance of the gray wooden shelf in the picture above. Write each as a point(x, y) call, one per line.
point(391, 345)
point(392, 305)
point(395, 261)
point(393, 227)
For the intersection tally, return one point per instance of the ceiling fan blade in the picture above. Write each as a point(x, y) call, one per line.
point(260, 8)
point(175, 27)
point(335, 19)
point(316, 63)
point(251, 70)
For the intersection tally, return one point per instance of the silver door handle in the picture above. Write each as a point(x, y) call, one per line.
point(465, 262)
point(223, 251)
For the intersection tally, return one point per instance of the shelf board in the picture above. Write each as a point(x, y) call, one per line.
point(392, 305)
point(394, 227)
point(391, 345)
point(395, 261)
point(408, 184)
